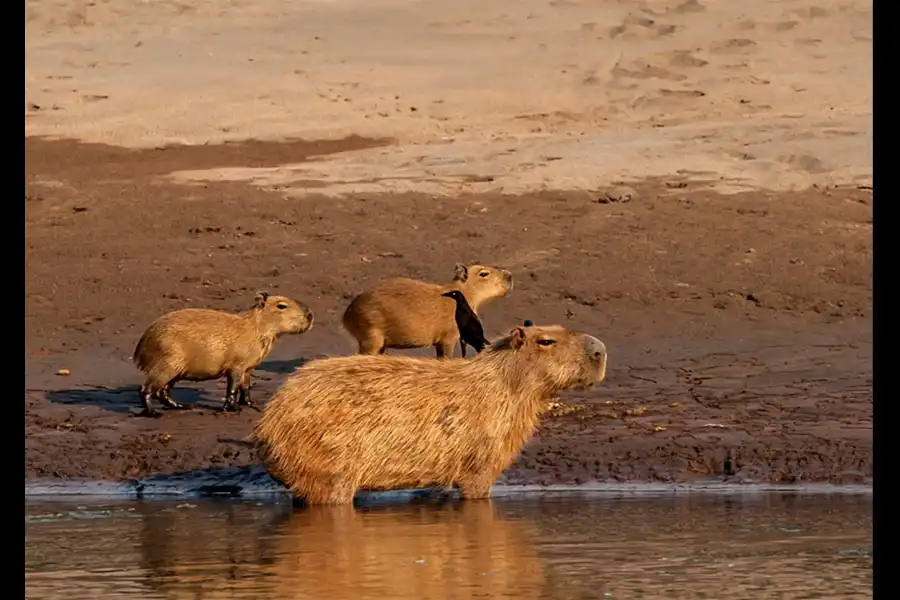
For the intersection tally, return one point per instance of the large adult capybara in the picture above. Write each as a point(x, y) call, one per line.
point(199, 344)
point(404, 313)
point(344, 424)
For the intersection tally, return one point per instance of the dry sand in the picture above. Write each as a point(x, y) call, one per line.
point(481, 96)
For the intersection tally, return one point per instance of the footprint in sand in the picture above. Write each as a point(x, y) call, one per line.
point(679, 58)
point(662, 65)
point(644, 70)
point(777, 27)
point(674, 7)
point(640, 27)
point(687, 7)
point(733, 46)
point(808, 13)
point(666, 97)
point(804, 162)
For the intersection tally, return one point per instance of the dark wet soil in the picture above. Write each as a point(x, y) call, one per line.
point(739, 326)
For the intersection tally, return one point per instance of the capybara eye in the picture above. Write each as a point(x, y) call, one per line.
point(281, 306)
point(484, 273)
point(546, 342)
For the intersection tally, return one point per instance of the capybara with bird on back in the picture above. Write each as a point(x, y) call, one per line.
point(343, 424)
point(404, 313)
point(200, 344)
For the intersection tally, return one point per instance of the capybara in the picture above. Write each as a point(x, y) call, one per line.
point(406, 313)
point(470, 330)
point(343, 424)
point(199, 344)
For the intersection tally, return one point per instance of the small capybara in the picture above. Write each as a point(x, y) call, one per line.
point(343, 424)
point(199, 344)
point(404, 313)
point(470, 330)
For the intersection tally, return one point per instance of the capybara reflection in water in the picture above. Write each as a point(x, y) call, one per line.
point(344, 424)
point(470, 330)
point(406, 313)
point(199, 344)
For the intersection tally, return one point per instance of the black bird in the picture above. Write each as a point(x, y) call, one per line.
point(470, 330)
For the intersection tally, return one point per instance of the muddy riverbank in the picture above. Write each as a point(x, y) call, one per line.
point(739, 326)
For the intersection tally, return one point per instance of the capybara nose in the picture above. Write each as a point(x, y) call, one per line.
point(596, 350)
point(507, 275)
point(593, 347)
point(309, 316)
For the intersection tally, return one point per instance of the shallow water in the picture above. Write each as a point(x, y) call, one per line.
point(555, 547)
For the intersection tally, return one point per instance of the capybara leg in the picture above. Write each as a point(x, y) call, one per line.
point(244, 392)
point(342, 493)
point(444, 350)
point(373, 344)
point(462, 348)
point(476, 489)
point(321, 494)
point(165, 395)
point(146, 395)
point(229, 403)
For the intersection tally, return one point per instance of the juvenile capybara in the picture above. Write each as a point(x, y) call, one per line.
point(470, 330)
point(406, 313)
point(199, 344)
point(343, 424)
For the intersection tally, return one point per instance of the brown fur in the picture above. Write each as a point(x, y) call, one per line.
point(405, 313)
point(339, 425)
point(199, 344)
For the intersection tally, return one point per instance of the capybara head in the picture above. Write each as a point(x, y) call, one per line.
point(482, 282)
point(282, 314)
point(562, 358)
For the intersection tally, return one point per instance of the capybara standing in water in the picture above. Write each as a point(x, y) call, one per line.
point(470, 330)
point(406, 313)
point(199, 344)
point(340, 425)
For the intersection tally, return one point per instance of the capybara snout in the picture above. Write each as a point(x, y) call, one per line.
point(595, 350)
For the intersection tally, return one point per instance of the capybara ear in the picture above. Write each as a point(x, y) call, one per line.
point(260, 300)
point(461, 272)
point(517, 338)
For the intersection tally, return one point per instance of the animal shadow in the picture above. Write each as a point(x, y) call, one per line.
point(282, 367)
point(123, 400)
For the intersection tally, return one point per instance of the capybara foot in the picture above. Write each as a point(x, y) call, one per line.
point(148, 412)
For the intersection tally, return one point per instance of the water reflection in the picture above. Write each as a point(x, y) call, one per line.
point(687, 547)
